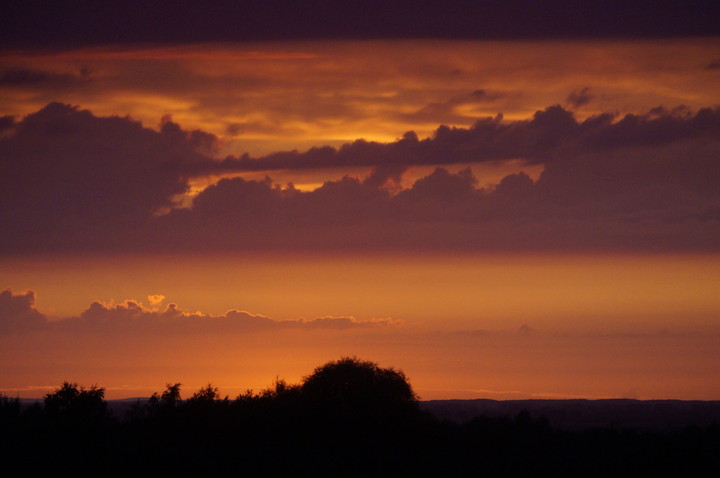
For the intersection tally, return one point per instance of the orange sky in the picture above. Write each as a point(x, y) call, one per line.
point(490, 293)
point(266, 97)
point(550, 292)
point(506, 327)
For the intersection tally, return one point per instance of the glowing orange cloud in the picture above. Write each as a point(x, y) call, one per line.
point(280, 96)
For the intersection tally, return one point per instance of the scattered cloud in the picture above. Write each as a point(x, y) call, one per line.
point(458, 109)
point(579, 98)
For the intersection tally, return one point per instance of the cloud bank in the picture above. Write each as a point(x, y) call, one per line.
point(551, 134)
point(72, 181)
point(19, 315)
point(268, 97)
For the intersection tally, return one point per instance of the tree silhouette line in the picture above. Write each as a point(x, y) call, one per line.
point(348, 418)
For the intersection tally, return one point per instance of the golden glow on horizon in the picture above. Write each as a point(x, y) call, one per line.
point(497, 326)
point(496, 365)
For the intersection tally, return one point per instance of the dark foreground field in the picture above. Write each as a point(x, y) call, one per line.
point(352, 418)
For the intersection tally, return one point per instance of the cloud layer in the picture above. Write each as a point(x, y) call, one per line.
point(75, 181)
point(34, 23)
point(551, 134)
point(268, 97)
point(19, 315)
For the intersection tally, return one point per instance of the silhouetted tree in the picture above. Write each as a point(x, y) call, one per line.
point(207, 393)
point(361, 416)
point(73, 428)
point(171, 396)
point(353, 384)
point(77, 403)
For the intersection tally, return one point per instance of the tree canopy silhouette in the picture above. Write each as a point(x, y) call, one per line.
point(349, 417)
point(208, 393)
point(76, 402)
point(353, 385)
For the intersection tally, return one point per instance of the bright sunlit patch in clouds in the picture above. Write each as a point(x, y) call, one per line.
point(156, 299)
point(488, 174)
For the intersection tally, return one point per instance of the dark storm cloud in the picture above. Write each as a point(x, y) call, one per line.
point(68, 173)
point(640, 182)
point(645, 199)
point(72, 181)
point(551, 133)
point(33, 23)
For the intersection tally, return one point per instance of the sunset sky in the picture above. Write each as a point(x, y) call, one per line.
point(503, 199)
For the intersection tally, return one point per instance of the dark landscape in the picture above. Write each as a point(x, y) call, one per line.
point(582, 414)
point(353, 418)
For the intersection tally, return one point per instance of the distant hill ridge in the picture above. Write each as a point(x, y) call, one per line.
point(565, 414)
point(582, 414)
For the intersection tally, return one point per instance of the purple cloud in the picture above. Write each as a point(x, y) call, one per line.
point(18, 313)
point(68, 173)
point(551, 133)
point(73, 181)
